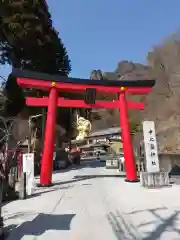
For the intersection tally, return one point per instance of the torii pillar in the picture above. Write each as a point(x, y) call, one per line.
point(130, 165)
point(46, 163)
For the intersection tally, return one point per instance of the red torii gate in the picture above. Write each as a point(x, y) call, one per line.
point(56, 84)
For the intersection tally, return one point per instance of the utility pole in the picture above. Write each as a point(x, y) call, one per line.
point(43, 124)
point(23, 179)
point(29, 135)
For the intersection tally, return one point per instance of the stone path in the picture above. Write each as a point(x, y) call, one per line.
point(92, 203)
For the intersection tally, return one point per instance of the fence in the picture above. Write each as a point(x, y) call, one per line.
point(140, 167)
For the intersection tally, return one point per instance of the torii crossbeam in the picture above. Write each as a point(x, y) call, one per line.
point(56, 84)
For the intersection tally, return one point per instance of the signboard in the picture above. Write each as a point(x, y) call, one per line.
point(28, 168)
point(150, 144)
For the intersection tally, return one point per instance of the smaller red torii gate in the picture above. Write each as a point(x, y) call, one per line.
point(56, 84)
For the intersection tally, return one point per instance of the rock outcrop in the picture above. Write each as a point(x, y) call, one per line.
point(162, 105)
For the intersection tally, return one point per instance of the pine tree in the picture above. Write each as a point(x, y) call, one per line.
point(28, 39)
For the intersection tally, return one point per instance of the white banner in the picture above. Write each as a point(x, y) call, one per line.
point(28, 168)
point(150, 144)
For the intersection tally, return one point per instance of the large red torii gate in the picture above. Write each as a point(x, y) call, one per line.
point(56, 84)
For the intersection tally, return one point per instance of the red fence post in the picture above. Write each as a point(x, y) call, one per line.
point(47, 157)
point(126, 138)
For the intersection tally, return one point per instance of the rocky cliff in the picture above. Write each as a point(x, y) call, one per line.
point(128, 71)
point(162, 105)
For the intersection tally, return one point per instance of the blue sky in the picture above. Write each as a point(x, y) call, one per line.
point(100, 33)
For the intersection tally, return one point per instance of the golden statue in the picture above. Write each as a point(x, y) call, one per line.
point(83, 127)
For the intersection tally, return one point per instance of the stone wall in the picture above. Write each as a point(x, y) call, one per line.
point(167, 161)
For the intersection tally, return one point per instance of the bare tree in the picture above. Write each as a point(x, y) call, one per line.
point(163, 104)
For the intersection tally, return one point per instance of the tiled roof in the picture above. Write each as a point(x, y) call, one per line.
point(107, 131)
point(95, 145)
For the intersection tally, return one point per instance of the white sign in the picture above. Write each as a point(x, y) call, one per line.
point(54, 156)
point(28, 168)
point(150, 144)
